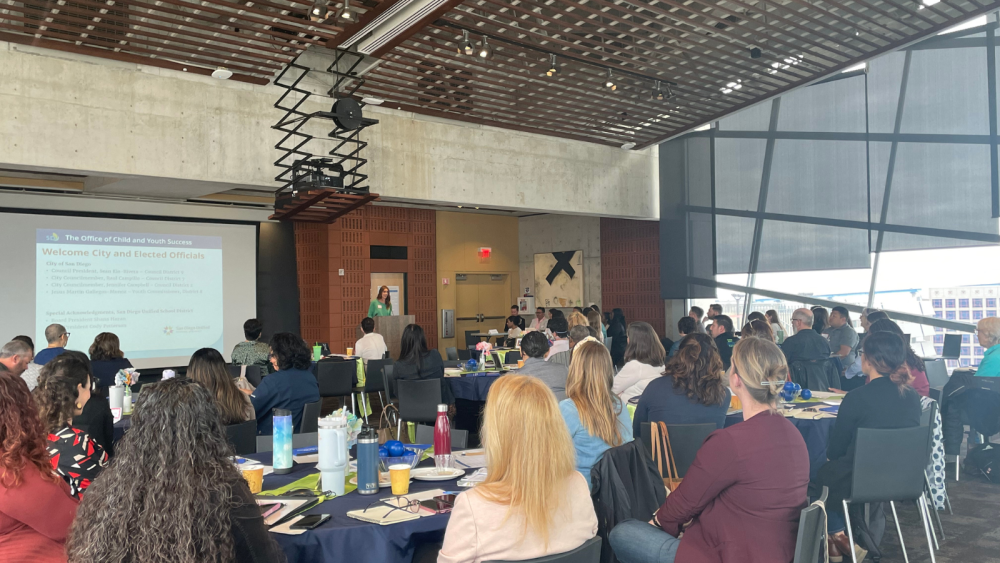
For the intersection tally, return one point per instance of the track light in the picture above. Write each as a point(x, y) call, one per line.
point(346, 13)
point(465, 46)
point(319, 11)
point(485, 51)
point(657, 91)
point(611, 82)
point(552, 66)
point(669, 93)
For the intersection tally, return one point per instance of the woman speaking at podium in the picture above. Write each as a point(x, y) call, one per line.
point(381, 306)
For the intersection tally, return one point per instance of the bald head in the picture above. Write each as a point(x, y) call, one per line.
point(55, 335)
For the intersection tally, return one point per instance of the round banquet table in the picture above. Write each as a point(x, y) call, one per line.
point(472, 387)
point(816, 434)
point(342, 538)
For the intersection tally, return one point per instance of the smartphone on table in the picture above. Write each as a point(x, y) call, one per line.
point(439, 504)
point(310, 521)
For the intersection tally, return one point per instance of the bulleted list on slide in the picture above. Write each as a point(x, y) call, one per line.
point(161, 294)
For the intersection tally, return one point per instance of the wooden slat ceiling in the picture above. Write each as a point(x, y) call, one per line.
point(699, 47)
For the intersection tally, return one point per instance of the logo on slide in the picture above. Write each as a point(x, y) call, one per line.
point(53, 237)
point(168, 330)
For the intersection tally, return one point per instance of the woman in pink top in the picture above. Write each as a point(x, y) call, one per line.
point(534, 502)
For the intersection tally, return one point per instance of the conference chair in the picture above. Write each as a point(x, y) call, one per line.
point(336, 379)
point(374, 383)
point(811, 539)
point(815, 375)
point(452, 353)
point(418, 400)
point(243, 437)
point(589, 552)
point(470, 340)
point(889, 467)
point(255, 374)
point(310, 418)
point(266, 443)
point(937, 373)
point(512, 357)
point(927, 419)
point(459, 438)
point(234, 370)
point(465, 355)
point(685, 440)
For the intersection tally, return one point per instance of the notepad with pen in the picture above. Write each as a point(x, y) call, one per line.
point(383, 514)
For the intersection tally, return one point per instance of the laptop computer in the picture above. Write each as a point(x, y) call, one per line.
point(952, 346)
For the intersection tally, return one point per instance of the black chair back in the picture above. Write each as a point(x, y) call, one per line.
point(815, 375)
point(234, 370)
point(310, 418)
point(685, 440)
point(374, 379)
point(589, 552)
point(418, 399)
point(388, 381)
point(452, 353)
point(255, 374)
point(243, 437)
point(266, 443)
point(335, 379)
point(465, 355)
point(471, 340)
point(512, 357)
point(937, 373)
point(459, 438)
point(889, 464)
point(812, 532)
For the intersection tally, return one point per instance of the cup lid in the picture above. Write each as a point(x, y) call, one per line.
point(442, 408)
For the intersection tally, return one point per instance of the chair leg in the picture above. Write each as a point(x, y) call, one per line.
point(364, 406)
point(930, 523)
point(928, 493)
point(899, 532)
point(850, 533)
point(399, 428)
point(927, 531)
point(353, 408)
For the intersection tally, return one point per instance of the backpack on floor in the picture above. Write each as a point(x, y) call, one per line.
point(984, 460)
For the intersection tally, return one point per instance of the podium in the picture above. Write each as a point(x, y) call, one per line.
point(391, 329)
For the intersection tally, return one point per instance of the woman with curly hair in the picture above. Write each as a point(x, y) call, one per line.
point(36, 509)
point(182, 494)
point(692, 389)
point(63, 390)
point(106, 358)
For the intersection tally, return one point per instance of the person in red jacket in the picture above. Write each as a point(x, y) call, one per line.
point(741, 498)
point(36, 509)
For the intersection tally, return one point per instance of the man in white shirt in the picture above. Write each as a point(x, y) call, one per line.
point(540, 322)
point(559, 351)
point(372, 345)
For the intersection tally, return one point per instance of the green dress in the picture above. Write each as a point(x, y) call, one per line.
point(379, 309)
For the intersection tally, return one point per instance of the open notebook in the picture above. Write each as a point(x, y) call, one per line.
point(383, 514)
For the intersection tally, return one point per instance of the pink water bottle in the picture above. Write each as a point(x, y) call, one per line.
point(442, 439)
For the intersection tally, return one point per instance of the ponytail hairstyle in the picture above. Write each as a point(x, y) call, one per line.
point(761, 367)
point(912, 359)
point(886, 353)
point(697, 369)
point(757, 328)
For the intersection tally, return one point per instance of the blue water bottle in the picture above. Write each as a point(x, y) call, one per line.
point(282, 449)
point(367, 461)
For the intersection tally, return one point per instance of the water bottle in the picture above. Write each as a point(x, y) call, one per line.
point(333, 453)
point(442, 439)
point(368, 461)
point(282, 449)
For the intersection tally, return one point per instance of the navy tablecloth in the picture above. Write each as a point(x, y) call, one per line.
point(121, 426)
point(471, 388)
point(816, 434)
point(345, 539)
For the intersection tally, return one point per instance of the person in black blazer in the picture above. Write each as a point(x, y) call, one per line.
point(618, 332)
point(106, 358)
point(417, 362)
point(96, 418)
point(887, 401)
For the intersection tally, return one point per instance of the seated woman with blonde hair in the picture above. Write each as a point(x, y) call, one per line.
point(533, 503)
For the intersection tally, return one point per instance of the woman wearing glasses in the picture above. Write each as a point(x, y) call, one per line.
point(533, 502)
point(182, 484)
point(63, 390)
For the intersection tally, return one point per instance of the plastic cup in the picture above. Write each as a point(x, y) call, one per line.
point(254, 476)
point(399, 476)
point(520, 364)
point(350, 351)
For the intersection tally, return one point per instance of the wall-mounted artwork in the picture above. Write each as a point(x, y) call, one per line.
point(559, 279)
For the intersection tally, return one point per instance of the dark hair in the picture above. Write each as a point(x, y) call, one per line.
point(21, 433)
point(578, 309)
point(885, 352)
point(771, 316)
point(26, 339)
point(290, 351)
point(697, 369)
point(55, 394)
point(757, 328)
point(388, 294)
point(534, 344)
point(514, 306)
point(844, 313)
point(820, 318)
point(413, 345)
point(367, 325)
point(557, 314)
point(542, 309)
point(725, 321)
point(208, 367)
point(874, 316)
point(183, 485)
point(618, 316)
point(559, 326)
point(644, 345)
point(698, 311)
point(252, 328)
point(106, 346)
point(885, 325)
point(687, 325)
point(756, 316)
point(715, 307)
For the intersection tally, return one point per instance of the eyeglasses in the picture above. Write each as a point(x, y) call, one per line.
point(66, 334)
point(411, 506)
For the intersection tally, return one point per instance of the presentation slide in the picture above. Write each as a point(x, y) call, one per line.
point(164, 288)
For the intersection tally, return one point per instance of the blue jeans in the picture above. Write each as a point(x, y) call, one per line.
point(641, 542)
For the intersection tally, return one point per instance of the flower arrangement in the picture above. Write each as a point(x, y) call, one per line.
point(353, 424)
point(484, 347)
point(127, 377)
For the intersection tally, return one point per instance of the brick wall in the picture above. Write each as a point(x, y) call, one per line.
point(332, 305)
point(630, 270)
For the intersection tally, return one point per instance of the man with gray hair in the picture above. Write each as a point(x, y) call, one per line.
point(806, 344)
point(15, 357)
point(988, 331)
point(57, 337)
